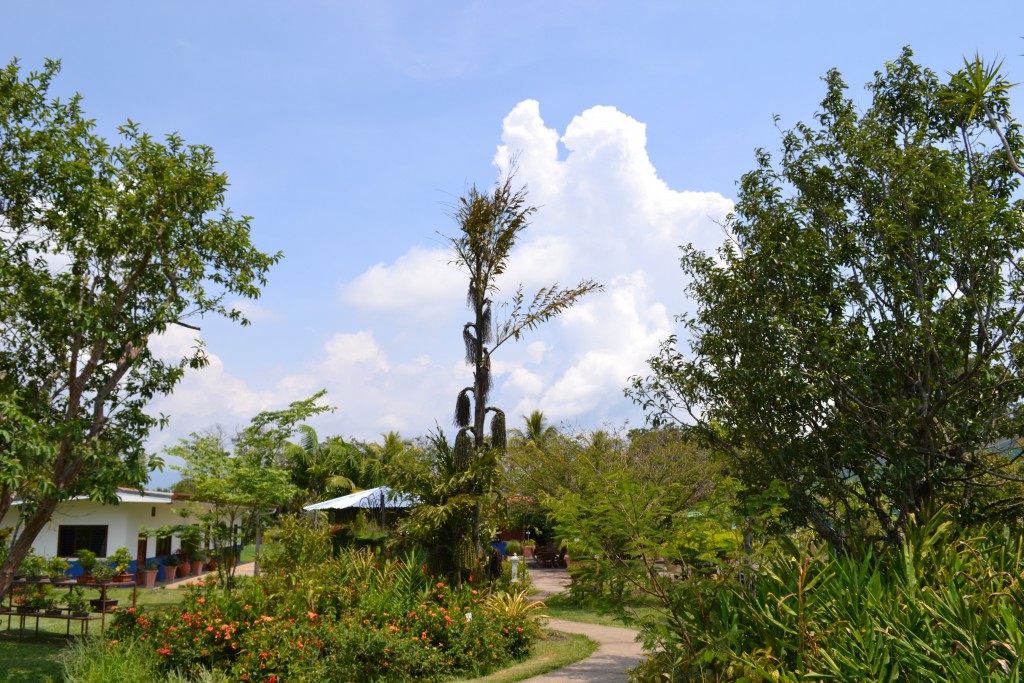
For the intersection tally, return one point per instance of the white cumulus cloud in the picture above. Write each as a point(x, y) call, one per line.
point(605, 215)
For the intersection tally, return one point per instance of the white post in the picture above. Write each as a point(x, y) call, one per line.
point(515, 568)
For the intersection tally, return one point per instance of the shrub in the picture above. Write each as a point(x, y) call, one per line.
point(357, 617)
point(944, 606)
point(513, 548)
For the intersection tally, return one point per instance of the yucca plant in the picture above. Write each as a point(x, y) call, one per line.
point(516, 606)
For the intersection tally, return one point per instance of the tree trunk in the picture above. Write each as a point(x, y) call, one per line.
point(258, 542)
point(22, 545)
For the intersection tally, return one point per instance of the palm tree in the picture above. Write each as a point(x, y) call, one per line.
point(490, 224)
point(537, 429)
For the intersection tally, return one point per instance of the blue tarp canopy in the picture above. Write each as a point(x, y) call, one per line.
point(382, 496)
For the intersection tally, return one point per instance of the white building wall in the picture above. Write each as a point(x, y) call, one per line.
point(123, 523)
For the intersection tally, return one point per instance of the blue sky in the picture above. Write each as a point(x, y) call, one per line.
point(348, 128)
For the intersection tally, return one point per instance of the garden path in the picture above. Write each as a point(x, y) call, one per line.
point(617, 648)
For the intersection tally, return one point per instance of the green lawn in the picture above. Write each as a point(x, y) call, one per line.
point(552, 652)
point(30, 662)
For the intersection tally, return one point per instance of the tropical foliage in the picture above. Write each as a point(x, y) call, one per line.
point(242, 487)
point(858, 339)
point(465, 481)
point(945, 605)
point(314, 616)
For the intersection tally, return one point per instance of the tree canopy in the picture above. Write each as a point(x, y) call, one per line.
point(103, 246)
point(859, 337)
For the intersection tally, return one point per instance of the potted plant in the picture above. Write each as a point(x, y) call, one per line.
point(77, 605)
point(87, 561)
point(170, 567)
point(39, 599)
point(184, 566)
point(198, 560)
point(122, 561)
point(513, 548)
point(33, 567)
point(56, 569)
point(528, 546)
point(103, 573)
point(52, 608)
point(32, 603)
point(149, 574)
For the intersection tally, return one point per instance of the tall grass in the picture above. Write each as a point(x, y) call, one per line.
point(947, 606)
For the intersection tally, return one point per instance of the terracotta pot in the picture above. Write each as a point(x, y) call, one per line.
point(528, 551)
point(184, 568)
point(149, 577)
point(170, 573)
point(197, 567)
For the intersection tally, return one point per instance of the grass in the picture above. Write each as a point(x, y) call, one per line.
point(30, 662)
point(248, 554)
point(559, 607)
point(554, 651)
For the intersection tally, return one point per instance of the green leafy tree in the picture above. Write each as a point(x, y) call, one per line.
point(245, 486)
point(535, 452)
point(489, 226)
point(646, 517)
point(102, 246)
point(858, 340)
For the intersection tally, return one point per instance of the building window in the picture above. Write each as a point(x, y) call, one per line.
point(163, 546)
point(73, 537)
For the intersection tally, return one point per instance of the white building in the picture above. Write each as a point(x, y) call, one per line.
point(82, 523)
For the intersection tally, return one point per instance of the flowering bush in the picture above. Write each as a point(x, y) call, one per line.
point(355, 618)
